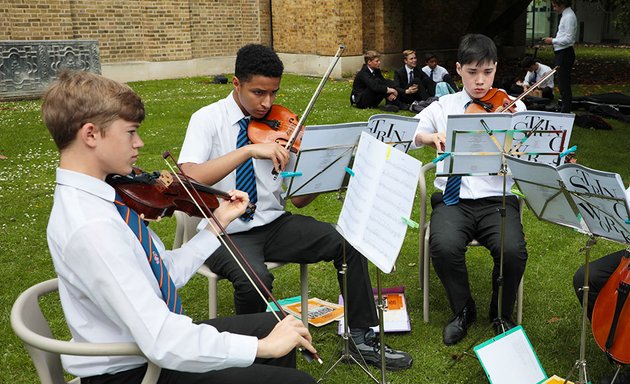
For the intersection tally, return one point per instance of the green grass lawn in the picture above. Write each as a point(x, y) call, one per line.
point(551, 311)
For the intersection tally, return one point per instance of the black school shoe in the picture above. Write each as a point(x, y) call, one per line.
point(389, 108)
point(457, 328)
point(370, 351)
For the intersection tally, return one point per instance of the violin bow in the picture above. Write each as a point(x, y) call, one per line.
point(530, 89)
point(311, 103)
point(233, 249)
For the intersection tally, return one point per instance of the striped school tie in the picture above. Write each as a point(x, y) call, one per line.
point(453, 183)
point(139, 228)
point(451, 192)
point(245, 176)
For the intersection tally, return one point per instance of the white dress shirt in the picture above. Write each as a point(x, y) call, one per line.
point(540, 72)
point(109, 293)
point(433, 119)
point(438, 73)
point(212, 132)
point(567, 30)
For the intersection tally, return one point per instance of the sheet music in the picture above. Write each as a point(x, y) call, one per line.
point(324, 153)
point(510, 358)
point(379, 195)
point(474, 151)
point(399, 131)
point(589, 200)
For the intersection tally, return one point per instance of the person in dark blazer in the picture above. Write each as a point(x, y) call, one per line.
point(411, 80)
point(370, 87)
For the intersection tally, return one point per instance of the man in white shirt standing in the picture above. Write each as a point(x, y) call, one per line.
point(108, 285)
point(563, 49)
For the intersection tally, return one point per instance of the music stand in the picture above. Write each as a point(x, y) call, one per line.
point(325, 152)
point(477, 144)
point(375, 214)
point(590, 201)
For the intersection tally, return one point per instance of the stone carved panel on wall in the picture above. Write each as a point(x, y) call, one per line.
point(28, 67)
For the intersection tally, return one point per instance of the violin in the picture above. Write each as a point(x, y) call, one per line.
point(278, 126)
point(611, 314)
point(159, 194)
point(496, 100)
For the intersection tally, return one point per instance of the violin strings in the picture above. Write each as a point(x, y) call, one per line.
point(214, 223)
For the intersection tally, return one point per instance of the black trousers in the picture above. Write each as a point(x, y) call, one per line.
point(367, 99)
point(454, 226)
point(262, 371)
point(296, 239)
point(598, 273)
point(565, 58)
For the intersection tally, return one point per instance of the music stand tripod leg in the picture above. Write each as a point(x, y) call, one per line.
point(580, 364)
point(346, 339)
point(381, 324)
point(500, 321)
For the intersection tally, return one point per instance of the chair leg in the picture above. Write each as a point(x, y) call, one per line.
point(425, 289)
point(304, 291)
point(519, 303)
point(212, 297)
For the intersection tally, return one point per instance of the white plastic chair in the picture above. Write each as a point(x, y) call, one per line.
point(424, 251)
point(186, 228)
point(30, 325)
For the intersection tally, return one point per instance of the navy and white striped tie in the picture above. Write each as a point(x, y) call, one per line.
point(451, 192)
point(453, 184)
point(245, 176)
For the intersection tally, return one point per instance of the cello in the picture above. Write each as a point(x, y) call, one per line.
point(611, 314)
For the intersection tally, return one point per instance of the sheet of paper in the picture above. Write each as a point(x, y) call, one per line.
point(398, 131)
point(395, 314)
point(589, 200)
point(477, 141)
point(601, 199)
point(510, 358)
point(542, 187)
point(379, 196)
point(324, 153)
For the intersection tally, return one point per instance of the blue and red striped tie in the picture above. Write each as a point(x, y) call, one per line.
point(139, 228)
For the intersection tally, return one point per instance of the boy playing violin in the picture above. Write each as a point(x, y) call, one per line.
point(107, 285)
point(467, 207)
point(217, 151)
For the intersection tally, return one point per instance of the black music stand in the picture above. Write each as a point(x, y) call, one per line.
point(375, 216)
point(477, 144)
point(590, 201)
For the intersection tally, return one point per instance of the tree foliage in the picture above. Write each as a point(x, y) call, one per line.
point(621, 22)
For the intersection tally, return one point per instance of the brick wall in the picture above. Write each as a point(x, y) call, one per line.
point(142, 30)
point(159, 31)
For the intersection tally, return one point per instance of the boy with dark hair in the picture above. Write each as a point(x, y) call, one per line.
point(535, 72)
point(436, 73)
point(369, 87)
point(111, 287)
point(216, 151)
point(468, 206)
